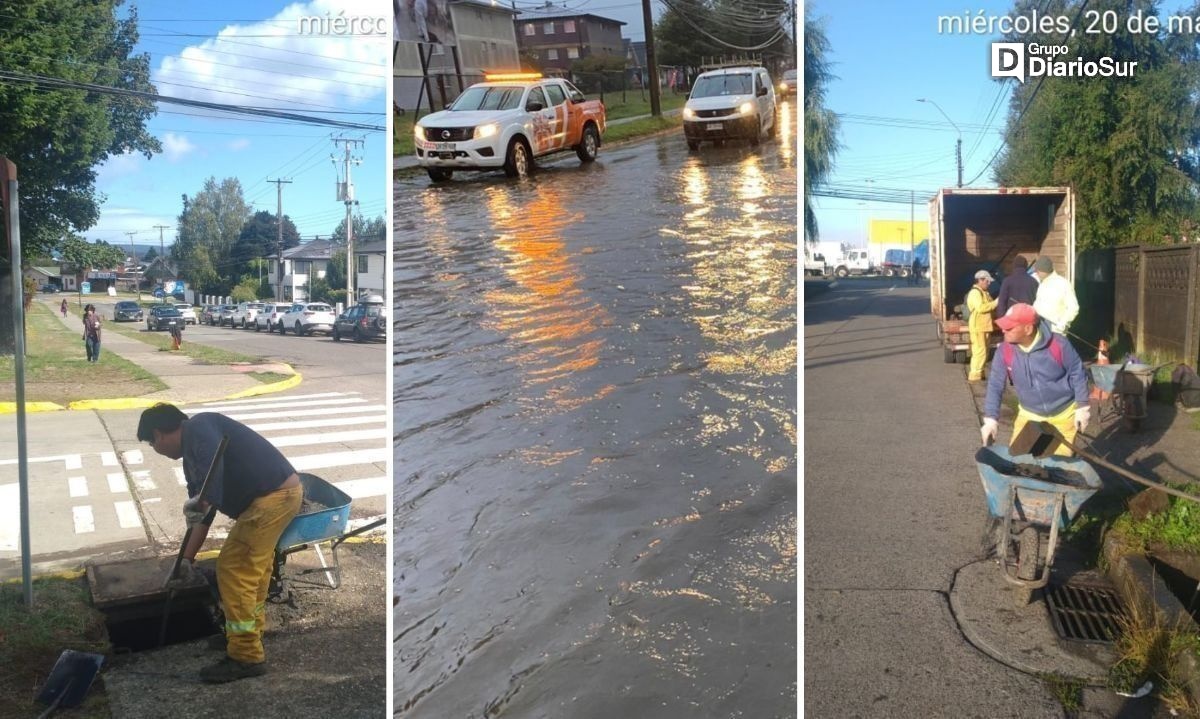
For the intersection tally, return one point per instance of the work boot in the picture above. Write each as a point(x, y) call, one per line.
point(217, 641)
point(230, 670)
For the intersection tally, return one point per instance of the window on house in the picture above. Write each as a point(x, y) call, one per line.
point(552, 54)
point(360, 263)
point(568, 26)
point(302, 267)
point(529, 29)
point(271, 268)
point(572, 53)
point(548, 28)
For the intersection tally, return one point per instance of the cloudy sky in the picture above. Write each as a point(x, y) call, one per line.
point(253, 53)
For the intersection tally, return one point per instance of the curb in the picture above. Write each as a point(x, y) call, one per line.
point(142, 402)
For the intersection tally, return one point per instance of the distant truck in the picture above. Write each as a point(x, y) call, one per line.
point(852, 262)
point(984, 229)
point(814, 264)
point(898, 263)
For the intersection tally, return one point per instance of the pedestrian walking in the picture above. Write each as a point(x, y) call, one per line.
point(979, 322)
point(1046, 373)
point(177, 334)
point(63, 308)
point(256, 486)
point(1056, 300)
point(1018, 288)
point(91, 333)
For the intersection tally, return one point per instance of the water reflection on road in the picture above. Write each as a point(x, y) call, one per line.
point(595, 437)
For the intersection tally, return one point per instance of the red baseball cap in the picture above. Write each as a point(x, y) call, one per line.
point(1018, 314)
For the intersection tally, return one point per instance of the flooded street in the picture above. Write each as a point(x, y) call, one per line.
point(595, 427)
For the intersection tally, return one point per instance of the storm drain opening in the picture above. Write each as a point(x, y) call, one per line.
point(1085, 612)
point(140, 613)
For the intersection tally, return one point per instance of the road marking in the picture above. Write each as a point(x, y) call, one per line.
point(72, 461)
point(338, 459)
point(358, 409)
point(180, 477)
point(127, 515)
point(359, 488)
point(84, 521)
point(141, 480)
point(108, 459)
point(132, 456)
point(78, 486)
point(117, 484)
point(253, 400)
point(282, 405)
point(66, 459)
point(152, 500)
point(300, 440)
point(10, 517)
point(310, 423)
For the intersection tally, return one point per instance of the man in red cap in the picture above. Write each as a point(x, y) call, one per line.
point(1046, 372)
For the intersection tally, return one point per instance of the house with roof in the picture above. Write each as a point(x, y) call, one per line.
point(300, 264)
point(559, 36)
point(370, 265)
point(42, 276)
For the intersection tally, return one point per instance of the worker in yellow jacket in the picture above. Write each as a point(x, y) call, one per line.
point(979, 322)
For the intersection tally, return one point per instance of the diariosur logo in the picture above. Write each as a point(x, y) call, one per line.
point(1023, 61)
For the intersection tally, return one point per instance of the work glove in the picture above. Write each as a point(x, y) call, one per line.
point(988, 431)
point(1083, 415)
point(194, 511)
point(185, 576)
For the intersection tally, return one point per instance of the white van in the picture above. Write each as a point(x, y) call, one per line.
point(733, 102)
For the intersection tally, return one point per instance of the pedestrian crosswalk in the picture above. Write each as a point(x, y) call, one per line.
point(340, 436)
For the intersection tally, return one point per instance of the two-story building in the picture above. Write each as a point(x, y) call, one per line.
point(370, 264)
point(559, 36)
point(300, 264)
point(485, 41)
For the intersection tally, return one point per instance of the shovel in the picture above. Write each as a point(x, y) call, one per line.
point(70, 680)
point(1041, 439)
point(187, 535)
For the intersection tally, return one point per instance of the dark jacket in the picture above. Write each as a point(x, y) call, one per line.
point(1043, 386)
point(1015, 289)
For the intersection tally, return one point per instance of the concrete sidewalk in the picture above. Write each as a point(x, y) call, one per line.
point(188, 380)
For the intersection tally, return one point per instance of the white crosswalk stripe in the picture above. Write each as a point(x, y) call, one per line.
point(127, 515)
point(77, 486)
point(84, 521)
point(117, 484)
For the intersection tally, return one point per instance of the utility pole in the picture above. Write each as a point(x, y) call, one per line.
point(162, 252)
point(346, 194)
point(279, 236)
point(133, 256)
point(651, 63)
point(957, 147)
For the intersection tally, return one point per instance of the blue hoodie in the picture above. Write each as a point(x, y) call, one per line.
point(1043, 386)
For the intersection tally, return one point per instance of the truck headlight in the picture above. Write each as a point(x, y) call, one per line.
point(418, 132)
point(485, 131)
point(746, 108)
point(689, 113)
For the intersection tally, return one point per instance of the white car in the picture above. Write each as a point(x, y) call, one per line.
point(733, 102)
point(506, 122)
point(189, 312)
point(243, 314)
point(270, 316)
point(304, 318)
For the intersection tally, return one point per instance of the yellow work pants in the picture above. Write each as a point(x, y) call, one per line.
point(244, 570)
point(979, 348)
point(1064, 422)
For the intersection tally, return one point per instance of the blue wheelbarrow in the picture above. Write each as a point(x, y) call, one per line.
point(1032, 495)
point(1128, 387)
point(324, 517)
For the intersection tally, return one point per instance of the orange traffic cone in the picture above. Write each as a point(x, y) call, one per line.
point(1101, 359)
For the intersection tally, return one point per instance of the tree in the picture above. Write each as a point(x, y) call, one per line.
point(820, 123)
point(364, 230)
point(84, 255)
point(1127, 145)
point(209, 225)
point(677, 39)
point(596, 70)
point(318, 290)
point(335, 270)
point(244, 291)
point(692, 32)
point(77, 41)
point(149, 256)
point(260, 237)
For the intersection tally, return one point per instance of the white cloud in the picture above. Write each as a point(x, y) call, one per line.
point(114, 222)
point(176, 147)
point(239, 144)
point(270, 64)
point(118, 166)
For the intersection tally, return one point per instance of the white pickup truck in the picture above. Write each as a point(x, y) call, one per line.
point(507, 122)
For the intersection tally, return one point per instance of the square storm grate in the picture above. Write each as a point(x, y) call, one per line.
point(1085, 612)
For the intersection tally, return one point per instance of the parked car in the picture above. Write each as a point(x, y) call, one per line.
point(208, 314)
point(188, 312)
point(50, 289)
point(243, 314)
point(226, 315)
point(127, 311)
point(304, 318)
point(366, 320)
point(162, 317)
point(730, 103)
point(269, 317)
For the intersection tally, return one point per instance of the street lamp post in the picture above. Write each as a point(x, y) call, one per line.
point(958, 146)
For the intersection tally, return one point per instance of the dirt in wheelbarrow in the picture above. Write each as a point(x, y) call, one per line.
point(326, 654)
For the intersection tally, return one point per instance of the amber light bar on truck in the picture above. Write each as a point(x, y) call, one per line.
point(511, 76)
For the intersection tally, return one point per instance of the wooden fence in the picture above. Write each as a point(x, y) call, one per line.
point(1157, 299)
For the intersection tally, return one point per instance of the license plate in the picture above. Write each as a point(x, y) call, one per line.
point(446, 155)
point(444, 146)
point(712, 126)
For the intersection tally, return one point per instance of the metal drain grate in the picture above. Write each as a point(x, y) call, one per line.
point(1085, 612)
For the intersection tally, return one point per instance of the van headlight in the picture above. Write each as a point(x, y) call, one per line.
point(746, 108)
point(418, 132)
point(689, 113)
point(485, 131)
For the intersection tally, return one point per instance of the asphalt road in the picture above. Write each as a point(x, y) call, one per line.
point(893, 507)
